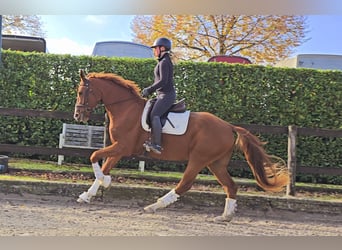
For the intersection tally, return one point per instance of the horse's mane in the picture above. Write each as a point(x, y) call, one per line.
point(117, 80)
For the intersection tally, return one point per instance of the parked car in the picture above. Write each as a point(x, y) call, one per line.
point(122, 49)
point(229, 59)
point(24, 43)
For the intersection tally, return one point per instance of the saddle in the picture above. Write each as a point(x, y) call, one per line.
point(178, 107)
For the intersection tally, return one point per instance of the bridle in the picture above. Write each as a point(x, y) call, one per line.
point(84, 104)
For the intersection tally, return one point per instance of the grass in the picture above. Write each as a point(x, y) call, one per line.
point(48, 166)
point(25, 164)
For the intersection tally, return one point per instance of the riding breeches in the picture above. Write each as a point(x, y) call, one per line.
point(163, 103)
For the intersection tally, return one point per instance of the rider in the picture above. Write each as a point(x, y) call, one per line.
point(164, 87)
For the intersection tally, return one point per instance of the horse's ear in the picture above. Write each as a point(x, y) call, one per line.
point(82, 74)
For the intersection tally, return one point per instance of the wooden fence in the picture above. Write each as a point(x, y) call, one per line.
point(292, 131)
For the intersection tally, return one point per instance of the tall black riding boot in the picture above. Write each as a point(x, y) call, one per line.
point(156, 134)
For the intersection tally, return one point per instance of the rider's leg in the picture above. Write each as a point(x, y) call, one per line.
point(160, 107)
point(156, 134)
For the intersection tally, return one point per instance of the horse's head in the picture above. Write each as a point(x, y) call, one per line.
point(86, 99)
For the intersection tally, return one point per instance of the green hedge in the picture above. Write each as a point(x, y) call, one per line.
point(251, 94)
point(245, 94)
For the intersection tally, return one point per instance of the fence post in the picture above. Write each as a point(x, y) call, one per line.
point(142, 166)
point(291, 159)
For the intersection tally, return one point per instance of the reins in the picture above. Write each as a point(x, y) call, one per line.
point(121, 101)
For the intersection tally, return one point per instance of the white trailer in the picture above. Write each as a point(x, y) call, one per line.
point(313, 61)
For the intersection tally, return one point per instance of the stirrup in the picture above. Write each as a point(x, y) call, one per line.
point(156, 148)
point(152, 147)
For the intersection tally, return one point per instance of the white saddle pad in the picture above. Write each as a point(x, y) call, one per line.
point(178, 120)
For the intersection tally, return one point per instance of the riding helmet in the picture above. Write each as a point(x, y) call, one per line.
point(162, 41)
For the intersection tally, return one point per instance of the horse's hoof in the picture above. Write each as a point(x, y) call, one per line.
point(83, 198)
point(139, 211)
point(223, 219)
point(106, 181)
point(150, 209)
point(79, 200)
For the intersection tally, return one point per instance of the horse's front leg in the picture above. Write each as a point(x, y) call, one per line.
point(86, 196)
point(102, 177)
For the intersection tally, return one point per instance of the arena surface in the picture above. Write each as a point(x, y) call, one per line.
point(36, 215)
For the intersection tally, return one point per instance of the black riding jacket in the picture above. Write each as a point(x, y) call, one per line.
point(163, 76)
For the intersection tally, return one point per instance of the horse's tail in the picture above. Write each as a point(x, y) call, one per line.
point(270, 175)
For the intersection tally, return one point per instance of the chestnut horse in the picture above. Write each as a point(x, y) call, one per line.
point(208, 142)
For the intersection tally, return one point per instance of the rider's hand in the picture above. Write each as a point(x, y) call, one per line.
point(145, 93)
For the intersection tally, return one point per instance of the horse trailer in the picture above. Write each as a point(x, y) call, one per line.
point(24, 43)
point(122, 49)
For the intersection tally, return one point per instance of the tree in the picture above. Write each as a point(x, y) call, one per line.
point(263, 39)
point(22, 25)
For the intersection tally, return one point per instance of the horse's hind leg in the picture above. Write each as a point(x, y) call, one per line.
point(184, 185)
point(219, 169)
